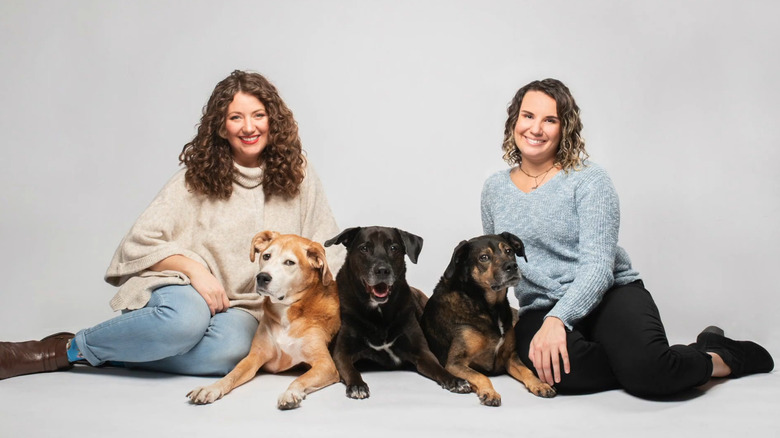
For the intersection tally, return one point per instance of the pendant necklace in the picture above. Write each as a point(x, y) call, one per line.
point(536, 178)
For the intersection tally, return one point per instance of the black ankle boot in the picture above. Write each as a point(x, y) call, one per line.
point(743, 357)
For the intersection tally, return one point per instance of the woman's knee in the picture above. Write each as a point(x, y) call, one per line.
point(183, 313)
point(227, 341)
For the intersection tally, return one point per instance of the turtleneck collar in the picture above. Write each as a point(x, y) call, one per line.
point(249, 177)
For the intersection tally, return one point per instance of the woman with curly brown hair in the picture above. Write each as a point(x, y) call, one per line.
point(586, 321)
point(186, 284)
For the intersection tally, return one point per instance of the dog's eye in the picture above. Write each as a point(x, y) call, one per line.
point(395, 248)
point(363, 248)
point(484, 258)
point(266, 256)
point(289, 262)
point(508, 251)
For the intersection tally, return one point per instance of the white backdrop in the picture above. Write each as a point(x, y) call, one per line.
point(401, 106)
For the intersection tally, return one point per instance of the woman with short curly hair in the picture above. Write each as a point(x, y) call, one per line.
point(186, 284)
point(586, 323)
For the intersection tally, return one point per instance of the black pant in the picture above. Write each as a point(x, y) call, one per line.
point(621, 344)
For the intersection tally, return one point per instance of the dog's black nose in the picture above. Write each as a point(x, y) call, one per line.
point(382, 270)
point(263, 279)
point(511, 267)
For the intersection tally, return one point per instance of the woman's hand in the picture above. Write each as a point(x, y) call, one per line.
point(548, 349)
point(211, 290)
point(204, 282)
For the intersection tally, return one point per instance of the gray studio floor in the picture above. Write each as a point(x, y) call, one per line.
point(87, 402)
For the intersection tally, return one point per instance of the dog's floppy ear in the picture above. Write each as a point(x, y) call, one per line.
point(345, 237)
point(260, 242)
point(316, 255)
point(458, 255)
point(515, 243)
point(412, 243)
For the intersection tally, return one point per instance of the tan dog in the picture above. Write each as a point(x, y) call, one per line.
point(301, 316)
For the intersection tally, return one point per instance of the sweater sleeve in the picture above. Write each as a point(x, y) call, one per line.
point(160, 232)
point(318, 222)
point(488, 225)
point(598, 213)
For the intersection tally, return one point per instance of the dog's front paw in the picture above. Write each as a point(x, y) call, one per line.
point(205, 394)
point(457, 385)
point(358, 391)
point(542, 389)
point(290, 399)
point(490, 398)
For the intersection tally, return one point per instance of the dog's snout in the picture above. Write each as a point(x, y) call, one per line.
point(382, 270)
point(511, 267)
point(263, 279)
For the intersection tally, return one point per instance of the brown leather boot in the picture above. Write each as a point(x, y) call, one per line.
point(48, 354)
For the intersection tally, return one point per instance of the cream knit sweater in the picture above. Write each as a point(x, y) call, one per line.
point(218, 234)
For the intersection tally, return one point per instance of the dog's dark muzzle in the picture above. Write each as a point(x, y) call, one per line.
point(507, 276)
point(379, 283)
point(380, 273)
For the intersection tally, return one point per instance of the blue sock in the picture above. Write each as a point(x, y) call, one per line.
point(73, 351)
point(74, 355)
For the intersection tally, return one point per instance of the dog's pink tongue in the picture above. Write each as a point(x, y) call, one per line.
point(380, 290)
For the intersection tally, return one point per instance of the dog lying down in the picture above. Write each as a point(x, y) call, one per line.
point(379, 311)
point(301, 316)
point(468, 322)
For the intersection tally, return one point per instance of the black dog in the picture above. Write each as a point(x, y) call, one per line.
point(468, 321)
point(380, 313)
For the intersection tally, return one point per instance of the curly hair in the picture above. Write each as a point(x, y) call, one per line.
point(209, 158)
point(571, 151)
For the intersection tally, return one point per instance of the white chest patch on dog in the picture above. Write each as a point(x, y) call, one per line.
point(499, 344)
point(283, 342)
point(500, 340)
point(386, 348)
point(291, 346)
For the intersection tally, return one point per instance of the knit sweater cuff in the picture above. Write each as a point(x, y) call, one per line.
point(567, 316)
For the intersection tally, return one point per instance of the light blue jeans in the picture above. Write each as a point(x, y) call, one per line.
point(174, 333)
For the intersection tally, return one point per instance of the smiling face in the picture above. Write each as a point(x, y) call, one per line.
point(538, 129)
point(380, 255)
point(375, 261)
point(246, 129)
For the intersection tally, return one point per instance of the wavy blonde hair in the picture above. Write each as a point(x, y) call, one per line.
point(571, 150)
point(209, 158)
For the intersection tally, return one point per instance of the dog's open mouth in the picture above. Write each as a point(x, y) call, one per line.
point(379, 292)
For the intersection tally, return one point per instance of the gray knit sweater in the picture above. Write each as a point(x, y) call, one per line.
point(216, 233)
point(569, 227)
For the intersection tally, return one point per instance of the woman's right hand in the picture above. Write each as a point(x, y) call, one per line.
point(548, 350)
point(204, 282)
point(211, 290)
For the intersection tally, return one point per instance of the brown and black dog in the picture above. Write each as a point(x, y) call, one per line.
point(300, 318)
point(468, 322)
point(380, 313)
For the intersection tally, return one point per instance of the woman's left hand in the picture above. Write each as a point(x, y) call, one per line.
point(548, 349)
